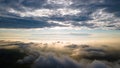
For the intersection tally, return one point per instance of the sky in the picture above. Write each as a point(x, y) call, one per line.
point(60, 20)
point(69, 33)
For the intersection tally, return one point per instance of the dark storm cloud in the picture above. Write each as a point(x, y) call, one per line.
point(71, 18)
point(7, 22)
point(22, 3)
point(59, 10)
point(112, 6)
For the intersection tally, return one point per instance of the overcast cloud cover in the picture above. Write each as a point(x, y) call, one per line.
point(93, 14)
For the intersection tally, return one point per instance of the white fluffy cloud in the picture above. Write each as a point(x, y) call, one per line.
point(46, 12)
point(104, 20)
point(60, 2)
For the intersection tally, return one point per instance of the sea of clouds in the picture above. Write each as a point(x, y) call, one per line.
point(67, 55)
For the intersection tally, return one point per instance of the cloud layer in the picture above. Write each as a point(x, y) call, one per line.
point(50, 55)
point(102, 14)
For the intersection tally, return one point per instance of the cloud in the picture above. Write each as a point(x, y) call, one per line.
point(28, 59)
point(97, 64)
point(43, 55)
point(98, 53)
point(60, 2)
point(92, 14)
point(105, 20)
point(75, 46)
point(112, 6)
point(46, 12)
point(8, 22)
point(55, 62)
